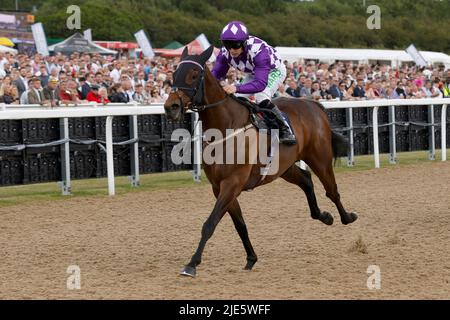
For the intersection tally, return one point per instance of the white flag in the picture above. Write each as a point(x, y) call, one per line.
point(40, 39)
point(417, 57)
point(203, 41)
point(88, 34)
point(144, 43)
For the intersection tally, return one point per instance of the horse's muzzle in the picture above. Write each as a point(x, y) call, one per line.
point(173, 111)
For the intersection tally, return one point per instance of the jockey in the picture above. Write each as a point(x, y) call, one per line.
point(265, 70)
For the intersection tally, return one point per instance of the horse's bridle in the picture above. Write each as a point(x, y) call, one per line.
point(195, 93)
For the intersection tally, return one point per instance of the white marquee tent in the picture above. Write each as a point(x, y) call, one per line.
point(394, 57)
point(77, 43)
point(7, 49)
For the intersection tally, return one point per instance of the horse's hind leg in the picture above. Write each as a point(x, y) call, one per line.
point(236, 215)
point(302, 178)
point(321, 164)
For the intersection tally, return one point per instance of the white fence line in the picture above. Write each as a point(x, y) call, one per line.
point(17, 112)
point(376, 104)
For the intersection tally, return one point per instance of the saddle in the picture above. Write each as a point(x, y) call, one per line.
point(261, 118)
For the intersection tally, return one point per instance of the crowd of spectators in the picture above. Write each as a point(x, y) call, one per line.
point(82, 78)
point(349, 81)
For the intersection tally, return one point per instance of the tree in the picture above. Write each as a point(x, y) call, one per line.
point(330, 23)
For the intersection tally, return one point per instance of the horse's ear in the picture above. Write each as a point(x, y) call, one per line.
point(185, 53)
point(206, 54)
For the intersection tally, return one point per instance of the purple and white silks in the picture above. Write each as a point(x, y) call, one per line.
point(258, 59)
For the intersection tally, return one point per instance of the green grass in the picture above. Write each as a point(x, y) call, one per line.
point(404, 158)
point(96, 187)
point(161, 181)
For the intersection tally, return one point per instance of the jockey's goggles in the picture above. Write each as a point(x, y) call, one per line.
point(228, 44)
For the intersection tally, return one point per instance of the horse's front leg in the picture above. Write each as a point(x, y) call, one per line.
point(229, 190)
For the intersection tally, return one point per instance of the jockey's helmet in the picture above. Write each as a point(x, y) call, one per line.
point(234, 34)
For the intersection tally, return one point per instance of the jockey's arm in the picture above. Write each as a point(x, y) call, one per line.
point(261, 75)
point(221, 67)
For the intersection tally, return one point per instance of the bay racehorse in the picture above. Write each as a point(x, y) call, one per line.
point(195, 88)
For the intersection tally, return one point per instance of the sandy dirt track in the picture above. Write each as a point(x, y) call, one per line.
point(133, 246)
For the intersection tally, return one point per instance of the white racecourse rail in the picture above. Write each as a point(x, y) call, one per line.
point(18, 112)
point(376, 104)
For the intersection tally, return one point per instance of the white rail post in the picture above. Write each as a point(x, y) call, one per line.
point(134, 152)
point(66, 188)
point(351, 155)
point(431, 134)
point(444, 132)
point(376, 150)
point(198, 141)
point(109, 156)
point(392, 137)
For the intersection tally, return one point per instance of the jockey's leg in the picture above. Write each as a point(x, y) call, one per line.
point(276, 77)
point(286, 134)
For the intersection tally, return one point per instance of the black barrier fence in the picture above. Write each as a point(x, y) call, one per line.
point(23, 160)
point(412, 128)
point(30, 150)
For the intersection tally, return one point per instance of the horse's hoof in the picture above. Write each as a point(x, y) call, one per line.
point(351, 217)
point(326, 218)
point(188, 272)
point(250, 264)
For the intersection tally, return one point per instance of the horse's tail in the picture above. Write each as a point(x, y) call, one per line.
point(339, 144)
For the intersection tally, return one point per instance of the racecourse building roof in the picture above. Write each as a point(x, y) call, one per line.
point(396, 57)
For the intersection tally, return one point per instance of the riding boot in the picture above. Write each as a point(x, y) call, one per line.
point(286, 134)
